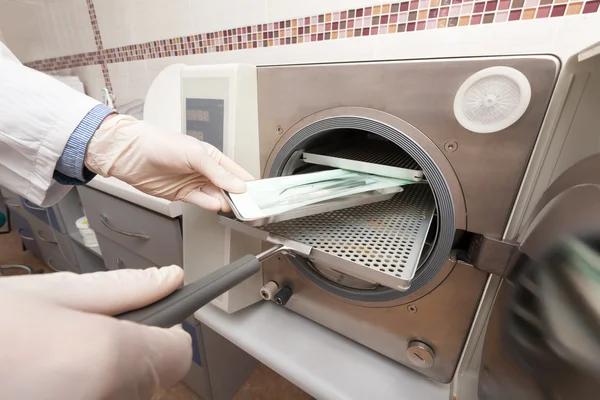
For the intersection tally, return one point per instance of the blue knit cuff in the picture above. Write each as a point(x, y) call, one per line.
point(70, 168)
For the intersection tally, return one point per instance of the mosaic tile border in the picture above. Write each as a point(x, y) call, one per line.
point(392, 18)
point(99, 46)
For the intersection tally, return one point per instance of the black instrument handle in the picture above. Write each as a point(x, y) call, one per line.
point(176, 307)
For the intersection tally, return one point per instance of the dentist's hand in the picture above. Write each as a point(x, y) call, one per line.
point(58, 341)
point(163, 164)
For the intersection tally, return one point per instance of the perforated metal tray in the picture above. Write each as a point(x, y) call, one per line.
point(379, 242)
point(376, 158)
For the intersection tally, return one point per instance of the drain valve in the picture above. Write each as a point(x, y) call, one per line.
point(268, 291)
point(420, 354)
point(283, 295)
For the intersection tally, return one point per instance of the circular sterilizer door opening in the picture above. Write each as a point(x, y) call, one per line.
point(371, 141)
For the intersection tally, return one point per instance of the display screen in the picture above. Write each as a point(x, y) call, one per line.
point(205, 120)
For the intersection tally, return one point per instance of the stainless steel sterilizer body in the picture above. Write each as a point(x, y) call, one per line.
point(408, 108)
point(445, 276)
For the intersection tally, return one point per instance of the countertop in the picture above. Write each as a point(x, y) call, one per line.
point(319, 361)
point(122, 190)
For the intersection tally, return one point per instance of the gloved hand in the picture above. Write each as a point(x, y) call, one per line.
point(163, 164)
point(58, 342)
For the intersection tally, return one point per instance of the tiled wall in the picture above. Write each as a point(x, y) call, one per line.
point(107, 41)
point(43, 29)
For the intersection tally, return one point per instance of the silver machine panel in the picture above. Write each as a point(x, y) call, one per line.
point(472, 182)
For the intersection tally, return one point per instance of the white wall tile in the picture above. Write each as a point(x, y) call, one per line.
point(284, 9)
point(92, 78)
point(129, 81)
point(113, 17)
point(154, 19)
point(137, 21)
point(210, 15)
point(36, 30)
point(22, 29)
point(124, 22)
point(71, 27)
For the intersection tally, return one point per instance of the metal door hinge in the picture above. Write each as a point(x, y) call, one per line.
point(492, 255)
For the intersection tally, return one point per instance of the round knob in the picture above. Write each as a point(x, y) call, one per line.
point(420, 354)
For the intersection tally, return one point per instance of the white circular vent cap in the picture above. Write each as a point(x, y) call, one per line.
point(492, 99)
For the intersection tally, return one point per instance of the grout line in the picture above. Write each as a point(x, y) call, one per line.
point(389, 18)
point(94, 21)
point(100, 54)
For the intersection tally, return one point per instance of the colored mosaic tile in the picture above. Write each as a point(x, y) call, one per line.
point(543, 12)
point(591, 7)
point(574, 8)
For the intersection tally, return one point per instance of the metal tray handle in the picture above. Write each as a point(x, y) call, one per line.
point(105, 222)
point(121, 264)
point(43, 239)
point(16, 266)
point(20, 231)
point(32, 207)
point(49, 262)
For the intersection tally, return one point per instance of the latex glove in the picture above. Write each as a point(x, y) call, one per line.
point(163, 164)
point(57, 341)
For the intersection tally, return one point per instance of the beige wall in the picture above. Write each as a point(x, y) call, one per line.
point(42, 29)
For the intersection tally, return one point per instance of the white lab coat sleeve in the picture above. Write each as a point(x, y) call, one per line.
point(37, 115)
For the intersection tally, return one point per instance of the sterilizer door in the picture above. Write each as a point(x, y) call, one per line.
point(543, 336)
